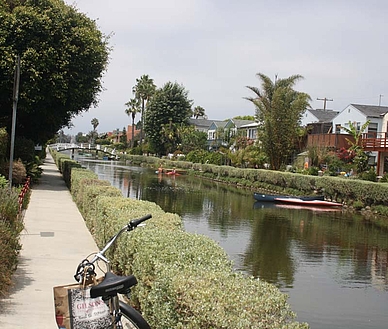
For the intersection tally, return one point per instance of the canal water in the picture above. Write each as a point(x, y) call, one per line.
point(333, 266)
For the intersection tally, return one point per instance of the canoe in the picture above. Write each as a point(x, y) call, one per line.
point(274, 198)
point(304, 206)
point(172, 173)
point(309, 203)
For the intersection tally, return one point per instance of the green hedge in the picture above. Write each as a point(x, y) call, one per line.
point(65, 165)
point(185, 280)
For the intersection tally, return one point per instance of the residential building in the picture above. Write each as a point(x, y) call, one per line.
point(374, 139)
point(319, 121)
point(201, 124)
point(359, 114)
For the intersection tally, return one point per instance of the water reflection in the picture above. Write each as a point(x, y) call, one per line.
point(333, 266)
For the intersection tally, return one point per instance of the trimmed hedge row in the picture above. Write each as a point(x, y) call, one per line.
point(340, 189)
point(185, 280)
point(65, 165)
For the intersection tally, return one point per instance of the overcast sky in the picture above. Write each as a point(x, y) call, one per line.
point(215, 48)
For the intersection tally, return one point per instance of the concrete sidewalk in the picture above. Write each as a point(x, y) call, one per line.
point(54, 241)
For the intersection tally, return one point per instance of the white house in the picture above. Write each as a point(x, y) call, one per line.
point(317, 116)
point(375, 134)
point(251, 129)
point(358, 115)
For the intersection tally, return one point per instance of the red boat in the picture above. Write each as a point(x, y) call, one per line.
point(174, 173)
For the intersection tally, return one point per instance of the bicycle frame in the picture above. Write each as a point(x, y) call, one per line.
point(86, 271)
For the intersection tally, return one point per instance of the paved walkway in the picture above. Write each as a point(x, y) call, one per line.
point(55, 240)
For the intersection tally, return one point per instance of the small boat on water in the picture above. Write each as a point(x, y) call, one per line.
point(274, 198)
point(309, 201)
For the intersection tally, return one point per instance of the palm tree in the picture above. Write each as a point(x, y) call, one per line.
point(133, 108)
point(143, 91)
point(198, 111)
point(278, 110)
point(94, 123)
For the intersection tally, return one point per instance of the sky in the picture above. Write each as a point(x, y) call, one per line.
point(215, 48)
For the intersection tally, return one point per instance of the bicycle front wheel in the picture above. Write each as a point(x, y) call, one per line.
point(132, 319)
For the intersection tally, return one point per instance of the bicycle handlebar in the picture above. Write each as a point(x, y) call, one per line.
point(135, 222)
point(100, 255)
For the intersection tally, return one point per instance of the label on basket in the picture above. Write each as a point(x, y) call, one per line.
point(87, 312)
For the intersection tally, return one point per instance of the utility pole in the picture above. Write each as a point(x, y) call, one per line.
point(380, 96)
point(14, 108)
point(324, 101)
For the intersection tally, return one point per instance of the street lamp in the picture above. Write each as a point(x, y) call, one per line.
point(14, 108)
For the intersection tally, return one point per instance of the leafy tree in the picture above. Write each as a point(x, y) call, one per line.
point(245, 117)
point(80, 138)
point(198, 111)
point(143, 90)
point(123, 137)
point(192, 139)
point(168, 110)
point(63, 56)
point(133, 108)
point(279, 109)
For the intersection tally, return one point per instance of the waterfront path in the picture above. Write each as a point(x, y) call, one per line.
point(54, 241)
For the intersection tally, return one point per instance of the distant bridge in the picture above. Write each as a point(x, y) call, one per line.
point(60, 147)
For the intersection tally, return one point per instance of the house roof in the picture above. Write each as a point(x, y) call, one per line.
point(324, 115)
point(239, 123)
point(202, 122)
point(219, 124)
point(373, 111)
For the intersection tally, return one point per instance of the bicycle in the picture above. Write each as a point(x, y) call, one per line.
point(123, 315)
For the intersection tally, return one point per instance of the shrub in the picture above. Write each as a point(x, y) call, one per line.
point(358, 205)
point(10, 228)
point(3, 181)
point(368, 175)
point(19, 172)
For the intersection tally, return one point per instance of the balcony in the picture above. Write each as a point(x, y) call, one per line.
point(375, 142)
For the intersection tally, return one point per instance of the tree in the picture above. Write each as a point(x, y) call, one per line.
point(192, 139)
point(168, 111)
point(94, 123)
point(279, 109)
point(123, 137)
point(245, 117)
point(133, 108)
point(198, 111)
point(143, 90)
point(63, 56)
point(360, 158)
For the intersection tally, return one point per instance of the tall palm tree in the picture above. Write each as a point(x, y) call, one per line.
point(95, 124)
point(133, 108)
point(143, 91)
point(278, 110)
point(198, 111)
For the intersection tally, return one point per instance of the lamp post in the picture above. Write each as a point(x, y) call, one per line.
point(14, 108)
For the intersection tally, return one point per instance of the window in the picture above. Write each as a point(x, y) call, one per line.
point(372, 130)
